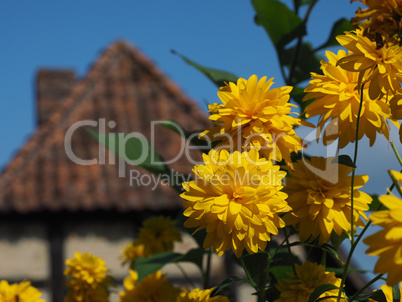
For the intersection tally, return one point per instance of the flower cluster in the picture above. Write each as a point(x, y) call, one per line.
point(154, 287)
point(157, 288)
point(319, 194)
point(382, 21)
point(21, 292)
point(253, 116)
point(157, 235)
point(381, 66)
point(236, 197)
point(307, 277)
point(87, 278)
point(387, 243)
point(337, 100)
point(198, 295)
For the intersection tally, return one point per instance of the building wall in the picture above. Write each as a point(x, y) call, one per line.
point(25, 251)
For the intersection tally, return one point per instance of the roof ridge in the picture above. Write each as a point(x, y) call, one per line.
point(43, 133)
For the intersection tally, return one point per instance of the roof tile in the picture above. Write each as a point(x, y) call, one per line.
point(124, 87)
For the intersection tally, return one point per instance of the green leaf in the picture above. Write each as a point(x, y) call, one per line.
point(256, 265)
point(149, 265)
point(320, 289)
point(377, 295)
point(376, 203)
point(227, 283)
point(134, 148)
point(281, 24)
point(192, 137)
point(218, 77)
point(336, 240)
point(396, 292)
point(339, 271)
point(281, 257)
point(331, 250)
point(308, 62)
point(195, 256)
point(339, 28)
point(344, 160)
point(299, 3)
point(281, 271)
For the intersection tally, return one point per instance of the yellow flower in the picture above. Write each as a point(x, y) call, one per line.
point(382, 67)
point(387, 243)
point(387, 290)
point(153, 288)
point(319, 193)
point(337, 101)
point(382, 20)
point(81, 292)
point(236, 197)
point(396, 108)
point(298, 287)
point(198, 295)
point(396, 105)
point(22, 292)
point(252, 116)
point(132, 251)
point(86, 268)
point(158, 234)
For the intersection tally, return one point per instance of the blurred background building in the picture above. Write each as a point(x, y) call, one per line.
point(51, 206)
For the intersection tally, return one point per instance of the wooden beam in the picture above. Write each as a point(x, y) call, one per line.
point(56, 245)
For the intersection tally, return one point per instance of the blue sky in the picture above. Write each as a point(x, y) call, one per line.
point(217, 33)
point(71, 34)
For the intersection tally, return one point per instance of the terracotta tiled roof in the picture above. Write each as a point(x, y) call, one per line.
point(122, 86)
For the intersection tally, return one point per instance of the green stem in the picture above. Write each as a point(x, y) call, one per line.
point(324, 258)
point(354, 164)
point(289, 81)
point(395, 182)
point(396, 153)
point(208, 270)
point(188, 279)
point(250, 279)
point(366, 286)
point(289, 250)
point(352, 240)
point(353, 247)
point(260, 288)
point(261, 296)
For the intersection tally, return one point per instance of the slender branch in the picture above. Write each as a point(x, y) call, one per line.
point(355, 161)
point(289, 250)
point(353, 247)
point(208, 270)
point(378, 277)
point(354, 244)
point(296, 7)
point(250, 279)
point(324, 258)
point(289, 81)
point(395, 182)
point(188, 279)
point(396, 153)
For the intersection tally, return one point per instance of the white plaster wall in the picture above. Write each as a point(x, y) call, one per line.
point(24, 251)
